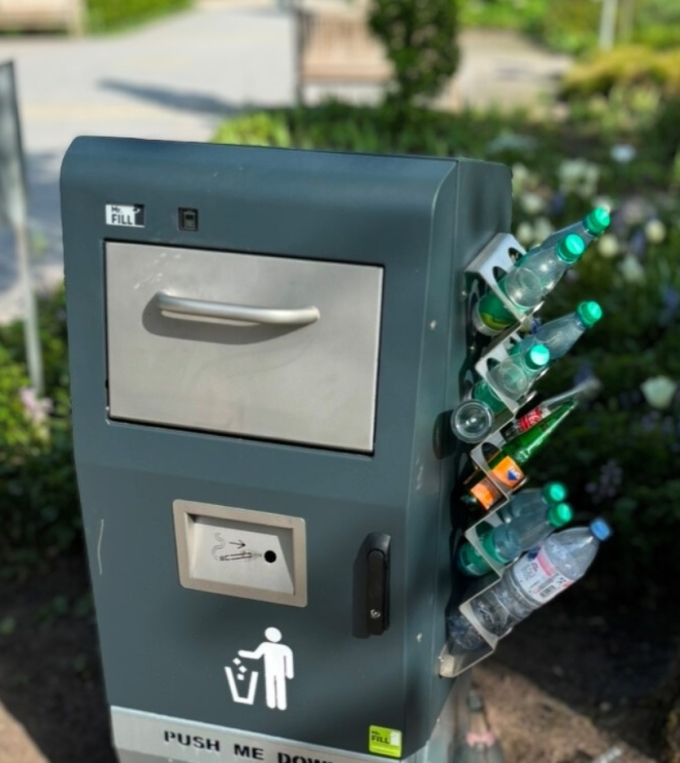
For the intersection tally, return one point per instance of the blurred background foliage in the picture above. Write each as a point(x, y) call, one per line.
point(571, 26)
point(108, 15)
point(615, 140)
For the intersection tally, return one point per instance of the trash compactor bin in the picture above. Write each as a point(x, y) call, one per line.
point(263, 346)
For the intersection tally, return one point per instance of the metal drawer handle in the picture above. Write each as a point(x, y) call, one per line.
point(200, 308)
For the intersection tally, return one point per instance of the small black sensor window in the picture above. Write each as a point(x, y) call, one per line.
point(188, 219)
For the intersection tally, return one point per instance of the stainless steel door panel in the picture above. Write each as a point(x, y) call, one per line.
point(268, 347)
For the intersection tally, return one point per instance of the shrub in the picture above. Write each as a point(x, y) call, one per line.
point(625, 66)
point(619, 455)
point(420, 40)
point(38, 495)
point(103, 15)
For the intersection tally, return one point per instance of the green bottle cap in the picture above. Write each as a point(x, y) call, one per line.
point(487, 543)
point(597, 221)
point(471, 562)
point(589, 313)
point(554, 492)
point(570, 248)
point(537, 357)
point(560, 514)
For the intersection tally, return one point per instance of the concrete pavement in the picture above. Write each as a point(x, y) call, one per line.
point(174, 79)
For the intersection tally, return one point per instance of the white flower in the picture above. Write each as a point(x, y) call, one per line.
point(623, 153)
point(521, 177)
point(659, 391)
point(608, 245)
point(604, 201)
point(542, 229)
point(655, 231)
point(525, 234)
point(631, 270)
point(579, 176)
point(531, 203)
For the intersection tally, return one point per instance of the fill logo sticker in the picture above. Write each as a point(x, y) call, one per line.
point(384, 741)
point(125, 215)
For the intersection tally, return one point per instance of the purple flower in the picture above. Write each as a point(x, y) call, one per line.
point(584, 373)
point(557, 204)
point(638, 243)
point(671, 298)
point(37, 410)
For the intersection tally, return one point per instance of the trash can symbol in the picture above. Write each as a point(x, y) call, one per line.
point(236, 676)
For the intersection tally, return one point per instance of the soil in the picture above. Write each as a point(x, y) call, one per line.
point(567, 685)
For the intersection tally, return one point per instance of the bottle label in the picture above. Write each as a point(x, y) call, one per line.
point(506, 473)
point(530, 419)
point(537, 576)
point(494, 314)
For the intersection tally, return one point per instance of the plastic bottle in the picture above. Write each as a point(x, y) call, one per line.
point(593, 225)
point(560, 335)
point(534, 579)
point(531, 528)
point(533, 499)
point(526, 284)
point(505, 466)
point(501, 543)
point(513, 377)
point(505, 543)
point(587, 389)
point(480, 744)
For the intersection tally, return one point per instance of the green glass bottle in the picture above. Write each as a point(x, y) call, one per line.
point(526, 284)
point(506, 465)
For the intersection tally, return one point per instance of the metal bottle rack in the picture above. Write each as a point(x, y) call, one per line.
point(497, 258)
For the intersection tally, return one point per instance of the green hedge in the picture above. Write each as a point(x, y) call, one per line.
point(104, 15)
point(619, 456)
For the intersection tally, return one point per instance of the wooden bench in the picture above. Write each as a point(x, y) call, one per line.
point(42, 15)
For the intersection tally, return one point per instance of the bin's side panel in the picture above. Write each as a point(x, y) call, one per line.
point(165, 648)
point(473, 204)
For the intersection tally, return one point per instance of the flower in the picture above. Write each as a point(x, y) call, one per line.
point(37, 409)
point(655, 231)
point(531, 203)
point(511, 141)
point(659, 391)
point(579, 176)
point(525, 234)
point(623, 153)
point(542, 229)
point(604, 201)
point(522, 178)
point(557, 204)
point(631, 270)
point(638, 243)
point(608, 245)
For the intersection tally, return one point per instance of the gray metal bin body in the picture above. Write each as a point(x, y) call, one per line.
point(176, 457)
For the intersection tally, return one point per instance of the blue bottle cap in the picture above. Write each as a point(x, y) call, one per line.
point(600, 528)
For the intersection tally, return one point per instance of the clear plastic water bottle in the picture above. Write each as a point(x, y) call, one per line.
point(560, 335)
point(512, 376)
point(526, 284)
point(501, 543)
point(534, 579)
point(530, 281)
point(593, 225)
point(533, 527)
point(506, 542)
point(527, 502)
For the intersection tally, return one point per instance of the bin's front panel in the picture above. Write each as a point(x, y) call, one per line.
point(308, 382)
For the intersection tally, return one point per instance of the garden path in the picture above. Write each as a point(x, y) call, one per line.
point(173, 79)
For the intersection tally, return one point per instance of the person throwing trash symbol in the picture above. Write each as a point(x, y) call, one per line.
point(278, 667)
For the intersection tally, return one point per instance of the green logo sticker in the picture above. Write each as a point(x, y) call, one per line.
point(384, 741)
